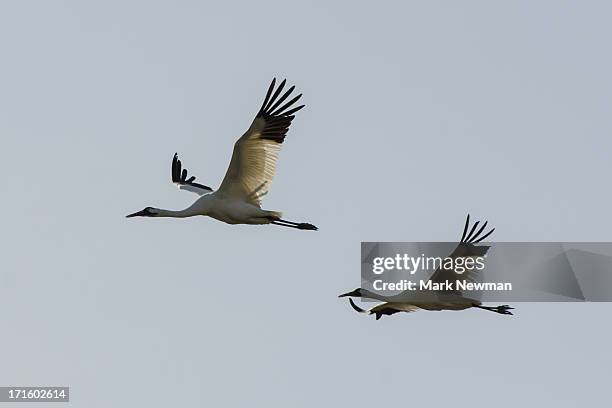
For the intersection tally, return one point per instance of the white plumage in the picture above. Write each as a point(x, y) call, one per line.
point(250, 172)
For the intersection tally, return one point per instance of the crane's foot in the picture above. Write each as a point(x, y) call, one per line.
point(306, 226)
point(504, 309)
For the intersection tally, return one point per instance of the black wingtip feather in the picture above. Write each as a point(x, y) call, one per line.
point(267, 98)
point(292, 111)
point(176, 168)
point(276, 93)
point(477, 234)
point(485, 236)
point(467, 224)
point(276, 114)
point(473, 236)
point(281, 100)
point(179, 175)
point(281, 111)
point(469, 236)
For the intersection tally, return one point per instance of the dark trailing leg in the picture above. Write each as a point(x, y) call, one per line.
point(504, 309)
point(297, 225)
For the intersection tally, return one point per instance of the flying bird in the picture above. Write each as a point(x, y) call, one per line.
point(250, 172)
point(409, 301)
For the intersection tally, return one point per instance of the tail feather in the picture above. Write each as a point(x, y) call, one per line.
point(274, 214)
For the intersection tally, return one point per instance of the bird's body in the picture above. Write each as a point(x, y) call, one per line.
point(250, 172)
point(389, 308)
point(231, 210)
point(392, 306)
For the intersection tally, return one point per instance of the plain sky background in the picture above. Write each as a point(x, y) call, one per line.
point(417, 113)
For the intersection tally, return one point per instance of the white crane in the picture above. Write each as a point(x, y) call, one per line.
point(251, 169)
point(452, 300)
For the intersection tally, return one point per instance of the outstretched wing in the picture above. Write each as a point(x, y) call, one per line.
point(465, 249)
point(179, 177)
point(385, 308)
point(254, 158)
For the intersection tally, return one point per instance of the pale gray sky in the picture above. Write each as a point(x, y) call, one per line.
point(417, 113)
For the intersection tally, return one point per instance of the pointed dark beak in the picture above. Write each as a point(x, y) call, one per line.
point(141, 213)
point(352, 293)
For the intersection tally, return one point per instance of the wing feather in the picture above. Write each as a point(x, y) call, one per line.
point(253, 162)
point(465, 249)
point(179, 177)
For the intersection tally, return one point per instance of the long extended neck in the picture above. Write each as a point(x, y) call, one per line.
point(371, 295)
point(175, 213)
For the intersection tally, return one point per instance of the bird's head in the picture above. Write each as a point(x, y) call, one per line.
point(147, 212)
point(355, 293)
